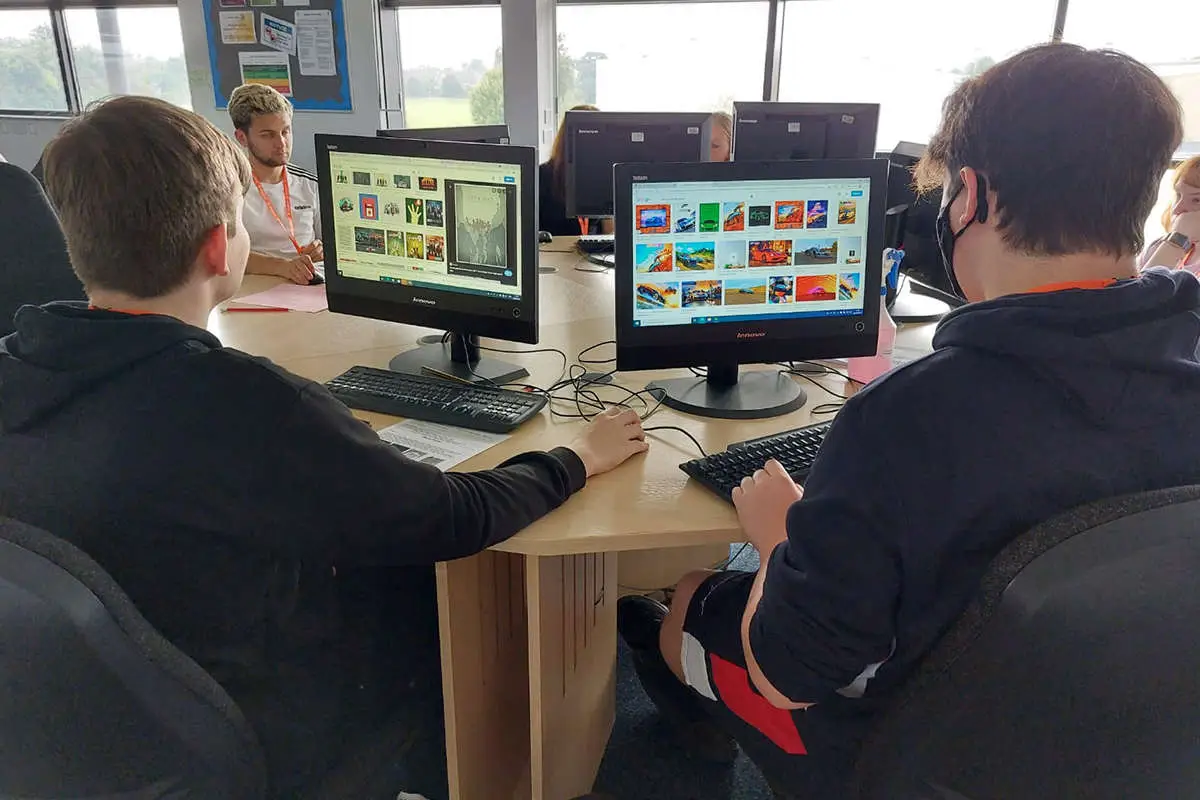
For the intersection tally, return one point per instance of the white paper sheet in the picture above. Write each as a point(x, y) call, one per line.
point(314, 42)
point(278, 34)
point(442, 446)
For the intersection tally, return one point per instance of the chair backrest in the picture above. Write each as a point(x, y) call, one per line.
point(1073, 675)
point(93, 701)
point(34, 265)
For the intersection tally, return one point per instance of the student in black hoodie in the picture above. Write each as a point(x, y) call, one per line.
point(1065, 380)
point(241, 507)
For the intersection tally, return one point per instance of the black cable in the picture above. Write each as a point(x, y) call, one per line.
point(686, 433)
point(581, 360)
point(727, 563)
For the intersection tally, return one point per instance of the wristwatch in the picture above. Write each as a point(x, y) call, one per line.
point(1179, 240)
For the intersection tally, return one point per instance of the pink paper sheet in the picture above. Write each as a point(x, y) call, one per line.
point(288, 295)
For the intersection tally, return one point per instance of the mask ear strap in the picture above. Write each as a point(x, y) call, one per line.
point(981, 202)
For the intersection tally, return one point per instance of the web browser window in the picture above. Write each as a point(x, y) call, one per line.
point(436, 223)
point(729, 251)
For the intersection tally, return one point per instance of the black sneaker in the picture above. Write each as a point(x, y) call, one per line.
point(639, 620)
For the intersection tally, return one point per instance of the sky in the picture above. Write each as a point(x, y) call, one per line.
point(144, 31)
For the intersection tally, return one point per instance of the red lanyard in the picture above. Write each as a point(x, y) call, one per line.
point(1183, 262)
point(290, 229)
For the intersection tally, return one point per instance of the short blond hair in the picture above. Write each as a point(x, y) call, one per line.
point(1188, 172)
point(252, 99)
point(138, 184)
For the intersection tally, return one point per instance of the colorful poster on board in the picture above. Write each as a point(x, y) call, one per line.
point(269, 68)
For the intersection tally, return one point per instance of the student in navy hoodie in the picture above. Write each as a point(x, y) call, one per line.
point(265, 531)
point(1067, 378)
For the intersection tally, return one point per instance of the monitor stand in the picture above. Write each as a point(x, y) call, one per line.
point(458, 358)
point(756, 395)
point(910, 307)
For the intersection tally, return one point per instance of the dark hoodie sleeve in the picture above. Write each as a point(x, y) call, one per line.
point(828, 604)
point(338, 491)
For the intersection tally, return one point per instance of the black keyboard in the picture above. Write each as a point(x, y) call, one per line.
point(795, 449)
point(482, 408)
point(596, 243)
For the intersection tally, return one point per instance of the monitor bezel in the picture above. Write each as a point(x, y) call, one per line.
point(497, 317)
point(757, 341)
point(481, 134)
point(572, 120)
point(801, 110)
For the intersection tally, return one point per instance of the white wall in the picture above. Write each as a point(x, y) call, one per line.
point(22, 139)
point(362, 44)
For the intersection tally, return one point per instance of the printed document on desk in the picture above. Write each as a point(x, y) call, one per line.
point(442, 446)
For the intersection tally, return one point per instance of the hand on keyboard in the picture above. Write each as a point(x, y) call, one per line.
point(762, 501)
point(610, 439)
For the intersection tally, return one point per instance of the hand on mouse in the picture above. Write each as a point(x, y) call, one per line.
point(610, 439)
point(298, 270)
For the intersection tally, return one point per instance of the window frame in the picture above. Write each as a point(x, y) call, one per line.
point(62, 44)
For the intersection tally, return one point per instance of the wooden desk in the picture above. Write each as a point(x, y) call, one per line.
point(528, 629)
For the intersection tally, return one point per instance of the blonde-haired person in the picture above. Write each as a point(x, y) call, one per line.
point(1179, 248)
point(720, 143)
point(281, 212)
point(188, 470)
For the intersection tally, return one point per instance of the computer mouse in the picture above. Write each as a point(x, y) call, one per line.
point(544, 237)
point(316, 280)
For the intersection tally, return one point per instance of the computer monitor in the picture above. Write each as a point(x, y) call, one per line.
point(433, 233)
point(483, 134)
point(922, 259)
point(784, 263)
point(596, 140)
point(798, 131)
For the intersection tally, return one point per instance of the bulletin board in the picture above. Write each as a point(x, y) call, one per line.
point(296, 46)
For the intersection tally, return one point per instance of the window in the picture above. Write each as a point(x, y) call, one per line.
point(677, 57)
point(128, 51)
point(1161, 34)
point(451, 68)
point(906, 57)
point(30, 74)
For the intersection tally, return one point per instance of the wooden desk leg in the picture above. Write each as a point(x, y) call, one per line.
point(485, 675)
point(572, 669)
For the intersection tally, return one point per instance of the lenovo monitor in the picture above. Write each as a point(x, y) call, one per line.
point(433, 233)
point(922, 265)
point(783, 263)
point(798, 131)
point(482, 134)
point(596, 140)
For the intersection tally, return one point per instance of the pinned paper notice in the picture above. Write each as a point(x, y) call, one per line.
point(237, 27)
point(269, 68)
point(314, 42)
point(278, 34)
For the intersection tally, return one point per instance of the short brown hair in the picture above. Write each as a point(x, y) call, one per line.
point(138, 182)
point(252, 99)
point(1074, 142)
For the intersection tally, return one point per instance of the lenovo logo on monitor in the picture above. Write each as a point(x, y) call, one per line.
point(751, 334)
point(425, 301)
point(587, 130)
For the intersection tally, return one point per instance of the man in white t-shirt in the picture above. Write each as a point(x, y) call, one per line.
point(281, 210)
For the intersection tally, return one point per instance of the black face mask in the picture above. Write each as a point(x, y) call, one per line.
point(946, 237)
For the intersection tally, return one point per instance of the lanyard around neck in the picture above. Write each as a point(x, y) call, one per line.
point(290, 228)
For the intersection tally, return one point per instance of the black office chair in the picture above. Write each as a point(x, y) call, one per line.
point(93, 701)
point(1076, 674)
point(34, 265)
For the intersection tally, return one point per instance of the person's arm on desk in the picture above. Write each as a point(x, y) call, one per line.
point(339, 492)
point(297, 270)
point(822, 607)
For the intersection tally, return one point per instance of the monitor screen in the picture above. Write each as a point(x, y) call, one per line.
point(596, 140)
point(487, 134)
point(431, 233)
point(794, 131)
point(748, 262)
